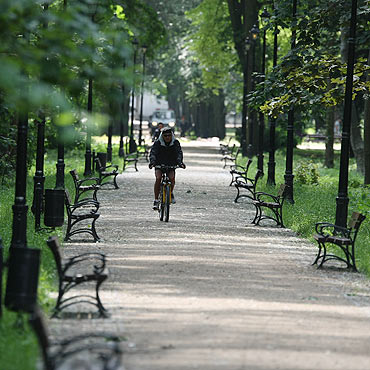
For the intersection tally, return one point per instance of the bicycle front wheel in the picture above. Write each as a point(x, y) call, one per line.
point(167, 203)
point(161, 206)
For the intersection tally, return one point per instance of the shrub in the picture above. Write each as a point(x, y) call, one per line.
point(307, 173)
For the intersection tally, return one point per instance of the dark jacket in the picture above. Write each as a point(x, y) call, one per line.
point(170, 154)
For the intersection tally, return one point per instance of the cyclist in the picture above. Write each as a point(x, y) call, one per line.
point(157, 131)
point(166, 150)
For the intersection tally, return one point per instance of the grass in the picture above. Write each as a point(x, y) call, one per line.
point(18, 345)
point(313, 203)
point(317, 202)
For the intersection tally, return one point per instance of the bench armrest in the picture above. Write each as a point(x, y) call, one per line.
point(85, 202)
point(104, 168)
point(260, 194)
point(80, 182)
point(321, 227)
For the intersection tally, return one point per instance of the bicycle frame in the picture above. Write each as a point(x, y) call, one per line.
point(165, 193)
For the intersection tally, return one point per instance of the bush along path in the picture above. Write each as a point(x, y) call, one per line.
point(208, 290)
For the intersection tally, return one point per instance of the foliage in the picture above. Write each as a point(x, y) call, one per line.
point(313, 73)
point(307, 173)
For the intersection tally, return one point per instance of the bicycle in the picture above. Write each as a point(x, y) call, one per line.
point(165, 192)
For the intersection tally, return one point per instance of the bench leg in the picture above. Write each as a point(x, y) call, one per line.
point(101, 308)
point(318, 254)
point(115, 182)
point(323, 256)
point(237, 195)
point(257, 216)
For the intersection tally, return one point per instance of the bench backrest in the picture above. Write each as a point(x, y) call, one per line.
point(355, 222)
point(281, 191)
point(37, 323)
point(98, 163)
point(67, 200)
point(247, 165)
point(53, 244)
point(74, 175)
point(259, 174)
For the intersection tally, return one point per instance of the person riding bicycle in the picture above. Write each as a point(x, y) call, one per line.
point(166, 150)
point(157, 131)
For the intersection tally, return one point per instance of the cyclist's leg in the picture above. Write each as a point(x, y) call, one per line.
point(157, 184)
point(171, 176)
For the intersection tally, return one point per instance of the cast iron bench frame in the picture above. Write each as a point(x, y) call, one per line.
point(106, 347)
point(237, 170)
point(231, 157)
point(129, 159)
point(343, 237)
point(275, 205)
point(91, 208)
point(247, 184)
point(106, 172)
point(67, 281)
point(81, 189)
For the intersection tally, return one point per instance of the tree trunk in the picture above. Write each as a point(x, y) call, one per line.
point(357, 143)
point(329, 150)
point(367, 133)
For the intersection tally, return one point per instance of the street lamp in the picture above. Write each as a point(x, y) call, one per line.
point(59, 183)
point(271, 163)
point(23, 262)
point(142, 96)
point(39, 178)
point(264, 19)
point(290, 131)
point(254, 34)
point(88, 169)
point(342, 198)
point(132, 143)
point(247, 46)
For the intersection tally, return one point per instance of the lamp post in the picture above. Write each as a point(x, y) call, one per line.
point(142, 97)
point(109, 146)
point(39, 178)
point(20, 207)
point(254, 34)
point(290, 131)
point(342, 198)
point(59, 183)
point(132, 144)
point(264, 16)
point(247, 46)
point(271, 163)
point(88, 169)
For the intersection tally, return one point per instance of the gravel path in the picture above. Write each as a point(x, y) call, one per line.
point(210, 291)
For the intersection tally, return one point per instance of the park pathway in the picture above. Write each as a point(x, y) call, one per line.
point(210, 291)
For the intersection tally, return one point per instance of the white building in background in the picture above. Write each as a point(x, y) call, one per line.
point(150, 104)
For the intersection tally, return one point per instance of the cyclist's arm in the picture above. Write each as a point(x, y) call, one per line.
point(154, 153)
point(178, 152)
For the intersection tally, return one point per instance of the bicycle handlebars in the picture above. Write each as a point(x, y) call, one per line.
point(166, 167)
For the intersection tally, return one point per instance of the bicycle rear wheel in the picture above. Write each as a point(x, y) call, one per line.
point(161, 206)
point(167, 203)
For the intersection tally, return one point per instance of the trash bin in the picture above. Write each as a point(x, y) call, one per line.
point(54, 207)
point(22, 281)
point(103, 159)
